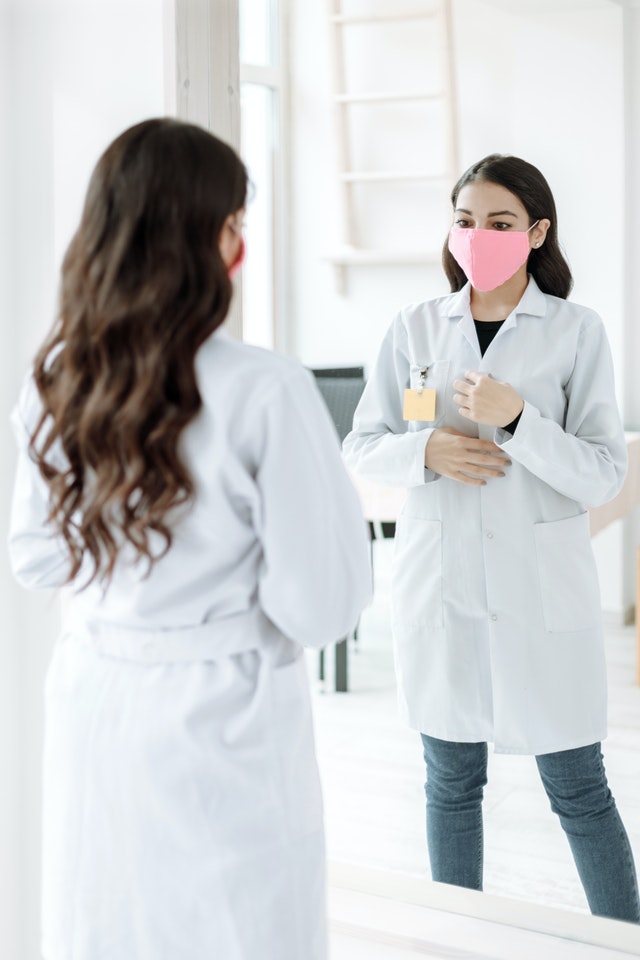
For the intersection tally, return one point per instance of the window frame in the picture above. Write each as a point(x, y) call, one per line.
point(274, 77)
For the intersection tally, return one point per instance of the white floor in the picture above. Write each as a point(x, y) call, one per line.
point(372, 772)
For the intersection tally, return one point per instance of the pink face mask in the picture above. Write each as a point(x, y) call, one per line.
point(489, 257)
point(237, 263)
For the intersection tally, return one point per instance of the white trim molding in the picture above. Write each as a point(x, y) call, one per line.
point(202, 64)
point(202, 79)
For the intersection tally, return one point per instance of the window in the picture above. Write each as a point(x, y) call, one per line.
point(261, 111)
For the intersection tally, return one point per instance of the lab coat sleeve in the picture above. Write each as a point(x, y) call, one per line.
point(37, 554)
point(316, 575)
point(586, 459)
point(381, 446)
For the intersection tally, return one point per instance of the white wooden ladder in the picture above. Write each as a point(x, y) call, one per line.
point(349, 252)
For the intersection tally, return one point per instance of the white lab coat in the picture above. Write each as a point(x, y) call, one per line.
point(182, 806)
point(495, 597)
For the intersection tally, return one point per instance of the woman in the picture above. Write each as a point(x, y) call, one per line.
point(495, 406)
point(187, 491)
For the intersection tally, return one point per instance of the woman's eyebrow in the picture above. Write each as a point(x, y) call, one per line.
point(496, 213)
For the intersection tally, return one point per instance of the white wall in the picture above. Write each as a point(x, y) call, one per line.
point(10, 858)
point(540, 80)
point(27, 261)
point(631, 31)
point(73, 75)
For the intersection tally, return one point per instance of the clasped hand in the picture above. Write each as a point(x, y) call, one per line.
point(466, 459)
point(485, 400)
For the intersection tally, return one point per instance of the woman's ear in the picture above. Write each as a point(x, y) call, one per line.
point(539, 233)
point(230, 242)
point(239, 260)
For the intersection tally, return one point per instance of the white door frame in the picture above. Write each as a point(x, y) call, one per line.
point(202, 79)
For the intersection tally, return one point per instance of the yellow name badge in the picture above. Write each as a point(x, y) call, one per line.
point(419, 405)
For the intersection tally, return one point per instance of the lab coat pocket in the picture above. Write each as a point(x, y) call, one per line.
point(567, 574)
point(436, 379)
point(416, 594)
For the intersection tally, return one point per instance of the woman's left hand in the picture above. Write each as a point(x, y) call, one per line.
point(487, 401)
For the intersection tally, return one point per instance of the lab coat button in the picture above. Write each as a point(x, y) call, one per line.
point(494, 616)
point(489, 536)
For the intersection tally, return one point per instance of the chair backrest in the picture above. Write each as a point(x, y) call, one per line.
point(341, 388)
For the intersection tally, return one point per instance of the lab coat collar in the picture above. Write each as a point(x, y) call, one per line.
point(532, 302)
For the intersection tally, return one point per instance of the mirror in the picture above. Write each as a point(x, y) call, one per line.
point(542, 80)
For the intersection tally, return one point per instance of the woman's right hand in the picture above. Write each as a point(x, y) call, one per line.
point(462, 458)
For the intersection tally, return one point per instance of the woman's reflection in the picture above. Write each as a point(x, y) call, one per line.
point(495, 405)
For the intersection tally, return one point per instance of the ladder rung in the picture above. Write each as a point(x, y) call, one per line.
point(344, 19)
point(389, 177)
point(385, 97)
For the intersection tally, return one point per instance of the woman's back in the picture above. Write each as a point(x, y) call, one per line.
point(188, 493)
point(254, 401)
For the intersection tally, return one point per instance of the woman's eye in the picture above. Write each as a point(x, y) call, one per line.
point(499, 225)
point(462, 223)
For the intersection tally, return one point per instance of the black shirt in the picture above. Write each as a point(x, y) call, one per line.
point(486, 330)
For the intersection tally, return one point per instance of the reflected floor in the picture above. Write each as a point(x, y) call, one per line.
point(372, 772)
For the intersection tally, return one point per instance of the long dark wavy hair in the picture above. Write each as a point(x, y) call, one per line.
point(546, 264)
point(143, 285)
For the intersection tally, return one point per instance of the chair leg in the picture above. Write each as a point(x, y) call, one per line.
point(342, 678)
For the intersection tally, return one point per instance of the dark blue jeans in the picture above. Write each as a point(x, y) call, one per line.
point(576, 785)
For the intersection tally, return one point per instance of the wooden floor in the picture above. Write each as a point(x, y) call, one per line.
point(372, 772)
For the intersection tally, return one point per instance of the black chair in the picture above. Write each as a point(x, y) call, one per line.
point(341, 388)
